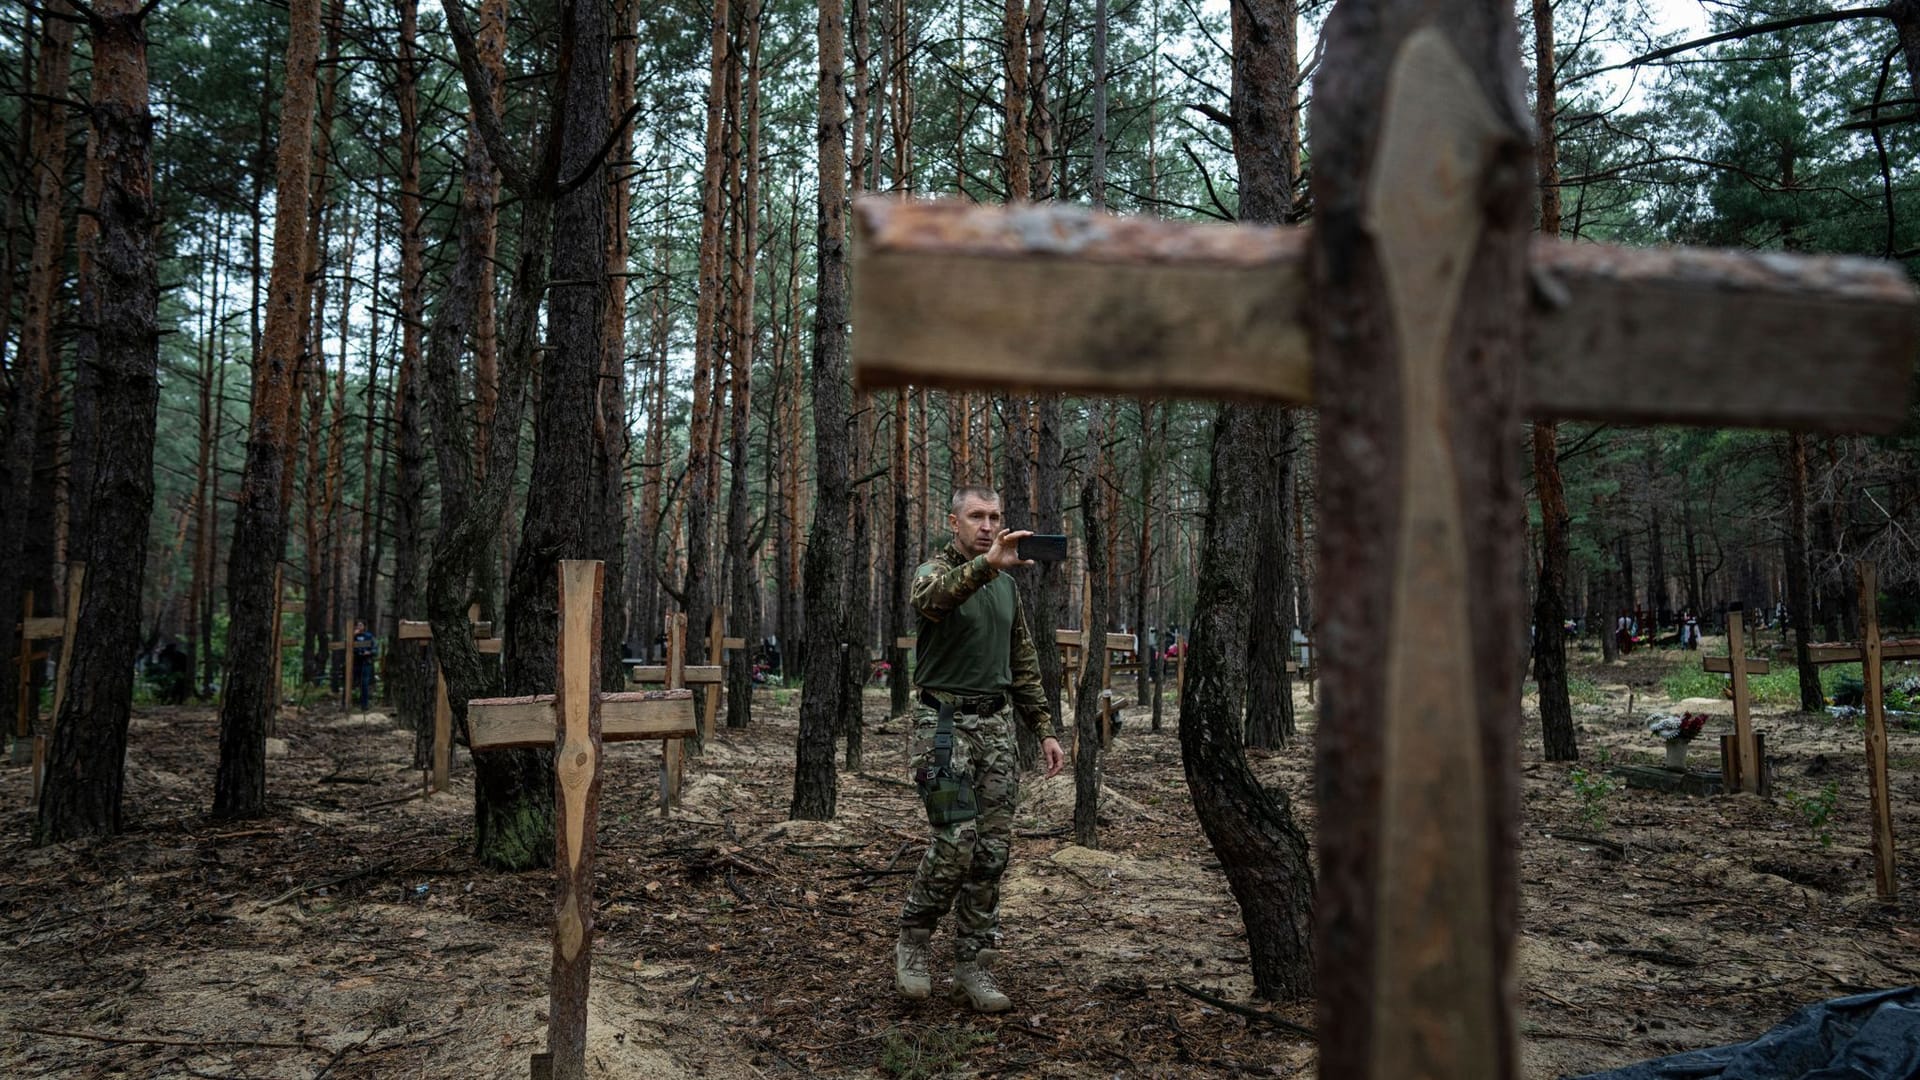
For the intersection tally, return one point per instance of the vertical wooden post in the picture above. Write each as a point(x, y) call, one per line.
point(76, 581)
point(716, 639)
point(673, 752)
point(442, 729)
point(1885, 884)
point(576, 796)
point(1748, 754)
point(1180, 669)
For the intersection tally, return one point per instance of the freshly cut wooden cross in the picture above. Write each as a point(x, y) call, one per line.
point(1745, 770)
point(1419, 320)
point(575, 720)
point(1869, 653)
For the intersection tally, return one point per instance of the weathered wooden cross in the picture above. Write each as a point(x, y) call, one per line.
point(1869, 652)
point(576, 719)
point(1417, 319)
point(676, 674)
point(485, 643)
point(1745, 768)
point(45, 628)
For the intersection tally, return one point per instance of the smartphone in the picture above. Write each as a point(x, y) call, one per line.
point(1044, 547)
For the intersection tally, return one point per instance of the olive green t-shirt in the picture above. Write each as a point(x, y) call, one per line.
point(968, 650)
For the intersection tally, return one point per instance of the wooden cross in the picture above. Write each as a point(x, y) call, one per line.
point(1418, 319)
point(575, 720)
point(45, 628)
point(1744, 769)
point(1870, 652)
point(676, 674)
point(717, 644)
point(420, 630)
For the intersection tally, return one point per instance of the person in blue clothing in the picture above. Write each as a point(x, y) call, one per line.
point(364, 647)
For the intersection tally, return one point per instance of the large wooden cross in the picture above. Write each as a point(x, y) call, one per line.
point(575, 720)
point(1869, 653)
point(1421, 323)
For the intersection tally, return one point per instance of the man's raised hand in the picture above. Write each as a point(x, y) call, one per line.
point(1005, 552)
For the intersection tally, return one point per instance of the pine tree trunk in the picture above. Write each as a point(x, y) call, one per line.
point(740, 550)
point(412, 684)
point(1088, 702)
point(1799, 576)
point(1269, 716)
point(86, 763)
point(1049, 611)
point(815, 784)
point(1251, 828)
point(33, 365)
point(1550, 605)
point(260, 521)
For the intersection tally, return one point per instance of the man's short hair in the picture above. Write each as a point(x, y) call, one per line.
point(971, 491)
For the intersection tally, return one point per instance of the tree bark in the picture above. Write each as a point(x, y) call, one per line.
point(260, 521)
point(33, 364)
point(1550, 591)
point(1251, 828)
point(815, 784)
point(411, 684)
point(1269, 716)
point(1049, 612)
point(1088, 702)
point(86, 766)
point(1799, 577)
point(740, 548)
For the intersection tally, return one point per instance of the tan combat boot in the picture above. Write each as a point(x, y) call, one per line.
point(910, 964)
point(973, 984)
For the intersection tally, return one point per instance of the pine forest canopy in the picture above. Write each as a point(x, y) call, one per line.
point(470, 232)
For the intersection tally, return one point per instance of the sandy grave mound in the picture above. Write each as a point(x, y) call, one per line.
point(817, 833)
point(1048, 803)
point(711, 794)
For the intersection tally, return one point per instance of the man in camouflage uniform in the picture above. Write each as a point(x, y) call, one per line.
point(975, 654)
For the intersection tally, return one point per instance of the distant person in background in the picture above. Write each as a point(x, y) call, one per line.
point(1623, 633)
point(364, 648)
point(173, 675)
point(1690, 631)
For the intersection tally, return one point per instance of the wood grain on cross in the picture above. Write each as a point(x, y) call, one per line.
point(575, 720)
point(1747, 771)
point(1423, 323)
point(1870, 652)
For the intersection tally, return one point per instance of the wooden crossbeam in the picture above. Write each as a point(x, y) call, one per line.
point(692, 674)
point(1050, 297)
point(1723, 665)
point(43, 627)
point(1854, 652)
point(525, 722)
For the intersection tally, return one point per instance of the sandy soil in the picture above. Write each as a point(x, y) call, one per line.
point(350, 933)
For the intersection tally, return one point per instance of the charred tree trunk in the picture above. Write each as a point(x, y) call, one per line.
point(87, 759)
point(815, 784)
point(1550, 591)
point(260, 522)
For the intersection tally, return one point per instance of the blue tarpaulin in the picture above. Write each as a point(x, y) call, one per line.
point(1872, 1036)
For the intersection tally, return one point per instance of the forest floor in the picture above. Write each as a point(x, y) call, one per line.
point(350, 933)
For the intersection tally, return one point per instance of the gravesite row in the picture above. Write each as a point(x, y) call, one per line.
point(1072, 779)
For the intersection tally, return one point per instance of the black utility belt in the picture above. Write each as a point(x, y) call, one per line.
point(974, 706)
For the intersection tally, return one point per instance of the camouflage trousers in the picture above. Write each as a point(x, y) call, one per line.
point(963, 864)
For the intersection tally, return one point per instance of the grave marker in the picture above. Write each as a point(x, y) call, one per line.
point(1870, 652)
point(420, 630)
point(45, 628)
point(1418, 321)
point(676, 674)
point(576, 720)
point(1745, 768)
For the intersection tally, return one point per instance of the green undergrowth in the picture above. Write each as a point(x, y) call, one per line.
point(925, 1053)
point(1781, 687)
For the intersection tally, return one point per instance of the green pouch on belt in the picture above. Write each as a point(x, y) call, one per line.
point(946, 791)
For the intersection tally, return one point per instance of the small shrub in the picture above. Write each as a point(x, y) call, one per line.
point(1816, 811)
point(924, 1054)
point(1584, 691)
point(1592, 787)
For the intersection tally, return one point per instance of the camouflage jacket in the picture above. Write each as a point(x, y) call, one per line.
point(948, 580)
